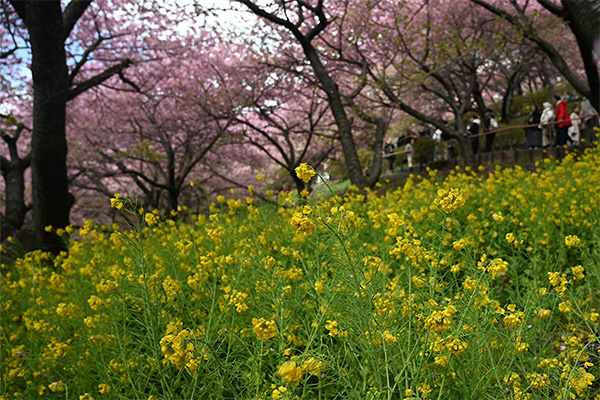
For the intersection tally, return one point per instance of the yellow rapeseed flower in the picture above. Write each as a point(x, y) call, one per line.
point(572, 241)
point(544, 313)
point(290, 372)
point(313, 366)
point(150, 219)
point(578, 272)
point(264, 329)
point(116, 201)
point(103, 388)
point(302, 223)
point(305, 172)
point(58, 386)
point(449, 200)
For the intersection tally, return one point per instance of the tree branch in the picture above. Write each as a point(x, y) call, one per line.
point(72, 13)
point(550, 51)
point(84, 58)
point(19, 7)
point(6, 54)
point(552, 7)
point(98, 79)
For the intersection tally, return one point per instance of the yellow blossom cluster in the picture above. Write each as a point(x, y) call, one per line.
point(264, 329)
point(440, 320)
point(302, 223)
point(572, 241)
point(305, 173)
point(176, 349)
point(449, 200)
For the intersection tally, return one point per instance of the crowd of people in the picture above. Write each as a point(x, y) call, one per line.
point(554, 125)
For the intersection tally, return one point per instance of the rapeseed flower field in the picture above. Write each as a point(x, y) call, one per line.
point(467, 287)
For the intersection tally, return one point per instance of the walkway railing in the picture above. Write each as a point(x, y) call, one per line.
point(499, 130)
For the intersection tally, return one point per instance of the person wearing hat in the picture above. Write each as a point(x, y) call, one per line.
point(545, 119)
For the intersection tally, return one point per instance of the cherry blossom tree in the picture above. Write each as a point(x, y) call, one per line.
point(48, 28)
point(310, 27)
point(154, 142)
point(580, 16)
point(73, 47)
point(286, 120)
point(431, 62)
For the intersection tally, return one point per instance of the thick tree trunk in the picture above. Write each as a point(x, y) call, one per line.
point(375, 169)
point(583, 17)
point(173, 199)
point(513, 81)
point(13, 172)
point(300, 185)
point(464, 141)
point(51, 199)
point(466, 150)
point(507, 100)
point(15, 208)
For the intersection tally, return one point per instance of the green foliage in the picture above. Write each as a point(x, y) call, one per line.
point(466, 288)
point(424, 149)
point(337, 169)
point(142, 151)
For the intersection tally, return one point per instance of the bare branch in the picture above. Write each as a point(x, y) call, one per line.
point(98, 79)
point(72, 13)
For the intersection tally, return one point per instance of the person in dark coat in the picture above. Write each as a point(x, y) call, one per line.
point(388, 149)
point(490, 124)
point(533, 134)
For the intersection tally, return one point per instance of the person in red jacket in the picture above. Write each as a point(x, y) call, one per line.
point(563, 121)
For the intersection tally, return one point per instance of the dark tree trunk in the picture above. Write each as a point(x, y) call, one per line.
point(464, 142)
point(171, 180)
point(466, 150)
point(328, 85)
point(13, 172)
point(300, 185)
point(375, 168)
point(51, 199)
point(48, 26)
point(583, 17)
point(15, 207)
point(514, 81)
point(173, 199)
point(507, 100)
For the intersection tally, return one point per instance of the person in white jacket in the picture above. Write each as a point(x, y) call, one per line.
point(574, 130)
point(546, 118)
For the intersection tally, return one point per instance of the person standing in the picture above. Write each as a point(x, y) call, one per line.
point(563, 121)
point(409, 156)
point(490, 124)
point(590, 119)
point(545, 120)
point(574, 131)
point(388, 149)
point(533, 134)
point(437, 140)
point(473, 133)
